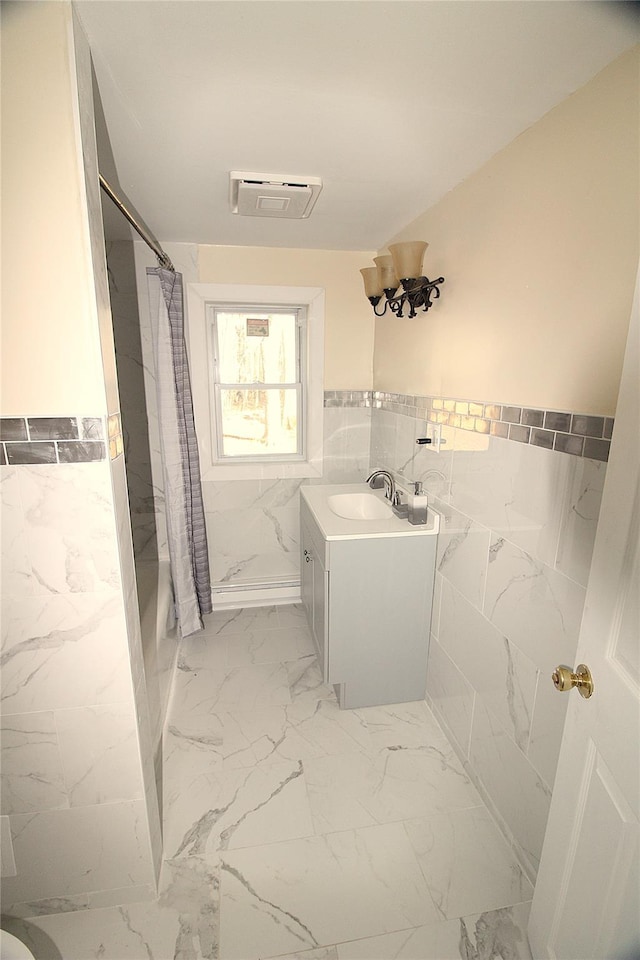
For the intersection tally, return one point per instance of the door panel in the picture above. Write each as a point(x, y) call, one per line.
point(586, 904)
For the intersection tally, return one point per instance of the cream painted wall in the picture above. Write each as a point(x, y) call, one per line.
point(349, 325)
point(51, 362)
point(539, 251)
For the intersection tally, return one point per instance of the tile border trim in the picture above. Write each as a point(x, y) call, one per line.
point(578, 434)
point(59, 440)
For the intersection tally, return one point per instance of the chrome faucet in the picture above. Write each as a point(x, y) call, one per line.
point(390, 491)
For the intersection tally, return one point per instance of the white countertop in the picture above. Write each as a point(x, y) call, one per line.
point(338, 528)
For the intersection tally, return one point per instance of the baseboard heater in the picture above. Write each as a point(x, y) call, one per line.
point(254, 593)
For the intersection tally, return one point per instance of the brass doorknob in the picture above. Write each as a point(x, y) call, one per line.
point(564, 678)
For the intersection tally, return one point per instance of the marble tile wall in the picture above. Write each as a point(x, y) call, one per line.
point(514, 551)
point(253, 525)
point(74, 800)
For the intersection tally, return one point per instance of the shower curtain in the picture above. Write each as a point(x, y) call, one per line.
point(186, 529)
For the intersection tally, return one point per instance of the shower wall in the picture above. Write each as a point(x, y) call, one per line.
point(80, 823)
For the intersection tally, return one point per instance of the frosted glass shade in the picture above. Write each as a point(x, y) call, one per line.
point(372, 285)
point(386, 272)
point(407, 258)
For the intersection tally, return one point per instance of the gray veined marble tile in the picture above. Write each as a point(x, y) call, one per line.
point(272, 646)
point(69, 851)
point(99, 751)
point(244, 688)
point(203, 651)
point(190, 889)
point(127, 932)
point(291, 615)
point(63, 651)
point(581, 509)
point(303, 730)
point(400, 725)
point(451, 696)
point(512, 489)
point(71, 536)
point(320, 953)
point(32, 776)
point(305, 680)
point(207, 813)
point(468, 866)
point(223, 622)
point(397, 783)
point(463, 547)
point(533, 605)
point(512, 783)
point(15, 567)
point(488, 936)
point(499, 672)
point(317, 891)
point(7, 858)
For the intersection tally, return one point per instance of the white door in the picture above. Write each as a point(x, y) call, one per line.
point(586, 904)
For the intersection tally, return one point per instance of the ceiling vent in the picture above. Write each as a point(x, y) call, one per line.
point(273, 195)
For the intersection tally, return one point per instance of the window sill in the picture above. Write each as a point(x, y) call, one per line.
point(298, 469)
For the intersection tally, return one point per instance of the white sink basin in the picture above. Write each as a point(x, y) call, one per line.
point(359, 506)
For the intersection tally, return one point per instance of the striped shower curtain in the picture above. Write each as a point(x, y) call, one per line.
point(186, 529)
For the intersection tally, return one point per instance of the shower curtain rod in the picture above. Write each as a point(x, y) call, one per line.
point(163, 259)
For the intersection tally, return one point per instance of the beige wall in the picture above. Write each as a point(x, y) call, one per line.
point(349, 325)
point(539, 251)
point(51, 363)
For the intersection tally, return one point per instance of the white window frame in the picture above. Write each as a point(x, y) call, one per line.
point(300, 311)
point(239, 296)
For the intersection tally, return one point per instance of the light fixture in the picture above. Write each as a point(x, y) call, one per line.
point(405, 262)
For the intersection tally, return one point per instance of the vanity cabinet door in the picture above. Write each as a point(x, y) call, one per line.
point(314, 590)
point(320, 598)
point(306, 573)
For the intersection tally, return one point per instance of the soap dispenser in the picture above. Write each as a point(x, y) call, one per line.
point(418, 503)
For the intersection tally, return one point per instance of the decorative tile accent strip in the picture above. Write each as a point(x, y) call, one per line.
point(347, 398)
point(51, 440)
point(116, 442)
point(580, 435)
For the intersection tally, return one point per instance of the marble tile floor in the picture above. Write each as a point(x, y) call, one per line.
point(295, 829)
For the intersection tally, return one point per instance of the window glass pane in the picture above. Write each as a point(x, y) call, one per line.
point(256, 347)
point(259, 422)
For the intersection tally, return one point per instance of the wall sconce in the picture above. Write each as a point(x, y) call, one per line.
point(405, 263)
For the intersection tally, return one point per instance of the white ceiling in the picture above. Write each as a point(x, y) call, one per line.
point(390, 102)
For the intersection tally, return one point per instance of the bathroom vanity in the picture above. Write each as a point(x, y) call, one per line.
point(367, 587)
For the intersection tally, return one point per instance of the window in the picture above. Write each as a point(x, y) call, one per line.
point(256, 358)
point(259, 388)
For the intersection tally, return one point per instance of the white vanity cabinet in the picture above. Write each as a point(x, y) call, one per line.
point(367, 589)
